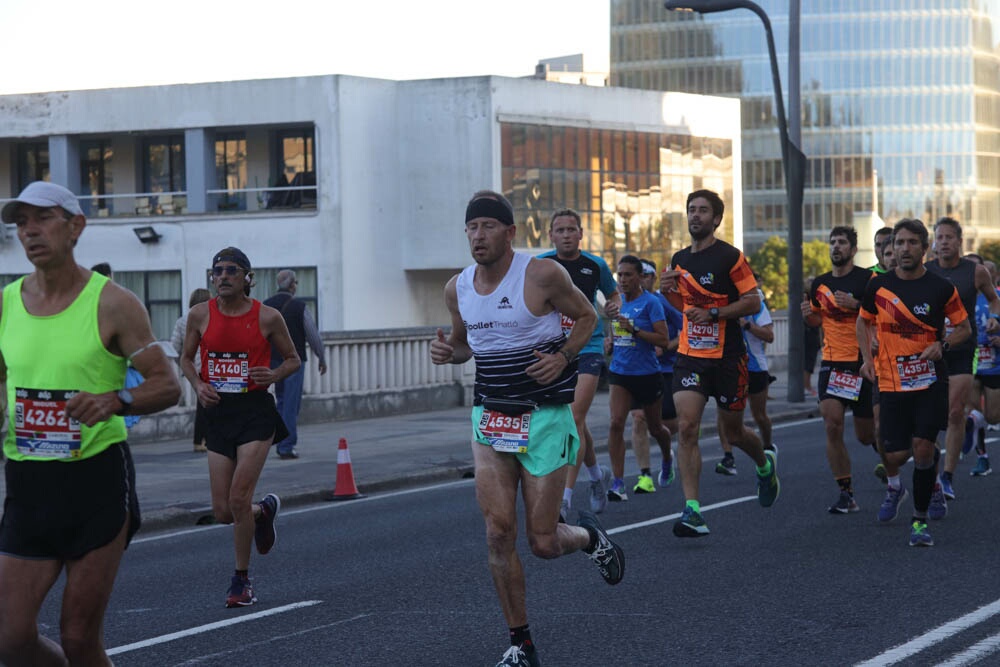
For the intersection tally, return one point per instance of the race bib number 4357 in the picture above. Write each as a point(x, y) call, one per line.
point(41, 427)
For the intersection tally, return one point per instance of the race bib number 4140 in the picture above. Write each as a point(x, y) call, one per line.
point(41, 427)
point(505, 433)
point(229, 372)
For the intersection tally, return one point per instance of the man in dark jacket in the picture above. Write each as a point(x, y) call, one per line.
point(302, 328)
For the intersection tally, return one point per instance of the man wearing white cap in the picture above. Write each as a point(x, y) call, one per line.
point(71, 501)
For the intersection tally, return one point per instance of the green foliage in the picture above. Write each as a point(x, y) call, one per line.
point(990, 251)
point(771, 262)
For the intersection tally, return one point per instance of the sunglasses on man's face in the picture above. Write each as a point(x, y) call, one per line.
point(228, 270)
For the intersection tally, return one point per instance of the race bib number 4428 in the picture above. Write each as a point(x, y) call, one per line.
point(41, 427)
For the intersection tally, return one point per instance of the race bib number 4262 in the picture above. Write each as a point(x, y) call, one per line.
point(41, 427)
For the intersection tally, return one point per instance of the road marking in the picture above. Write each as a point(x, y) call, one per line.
point(208, 628)
point(931, 637)
point(975, 653)
point(669, 517)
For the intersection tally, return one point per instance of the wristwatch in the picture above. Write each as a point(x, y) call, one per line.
point(746, 326)
point(125, 396)
point(567, 356)
point(945, 346)
point(714, 314)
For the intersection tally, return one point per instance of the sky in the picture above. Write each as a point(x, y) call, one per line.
point(113, 43)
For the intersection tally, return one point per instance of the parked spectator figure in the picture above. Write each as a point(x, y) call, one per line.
point(302, 328)
point(68, 460)
point(199, 295)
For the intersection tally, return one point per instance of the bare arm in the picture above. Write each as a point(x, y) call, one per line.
point(453, 349)
point(984, 283)
point(862, 328)
point(552, 280)
point(765, 333)
point(197, 321)
point(747, 304)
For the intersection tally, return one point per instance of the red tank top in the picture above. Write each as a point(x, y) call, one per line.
point(230, 347)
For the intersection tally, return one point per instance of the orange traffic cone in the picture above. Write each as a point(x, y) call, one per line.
point(345, 489)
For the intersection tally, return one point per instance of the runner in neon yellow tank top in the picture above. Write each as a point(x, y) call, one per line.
point(65, 337)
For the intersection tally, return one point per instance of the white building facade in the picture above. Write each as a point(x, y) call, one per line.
point(358, 184)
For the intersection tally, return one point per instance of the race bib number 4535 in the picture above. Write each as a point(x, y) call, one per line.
point(505, 433)
point(41, 427)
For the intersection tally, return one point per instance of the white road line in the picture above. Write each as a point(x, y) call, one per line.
point(975, 653)
point(209, 627)
point(931, 637)
point(669, 517)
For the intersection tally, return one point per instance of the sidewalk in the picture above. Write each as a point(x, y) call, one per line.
point(386, 453)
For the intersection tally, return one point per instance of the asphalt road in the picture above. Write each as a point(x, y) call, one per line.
point(401, 578)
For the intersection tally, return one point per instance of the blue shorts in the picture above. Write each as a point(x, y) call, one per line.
point(590, 363)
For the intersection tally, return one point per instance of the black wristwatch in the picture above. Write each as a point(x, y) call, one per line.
point(945, 346)
point(125, 396)
point(714, 314)
point(746, 326)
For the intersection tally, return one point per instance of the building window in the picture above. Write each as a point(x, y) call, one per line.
point(32, 163)
point(295, 167)
point(160, 292)
point(163, 164)
point(96, 177)
point(231, 170)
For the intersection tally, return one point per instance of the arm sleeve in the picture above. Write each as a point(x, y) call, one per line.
point(656, 310)
point(954, 309)
point(763, 318)
point(177, 337)
point(742, 276)
point(608, 286)
point(312, 335)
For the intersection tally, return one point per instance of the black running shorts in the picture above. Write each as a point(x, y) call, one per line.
point(959, 362)
point(726, 379)
point(63, 510)
point(668, 410)
point(242, 418)
point(863, 407)
point(904, 415)
point(645, 389)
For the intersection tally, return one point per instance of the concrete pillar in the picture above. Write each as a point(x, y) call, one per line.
point(199, 168)
point(64, 161)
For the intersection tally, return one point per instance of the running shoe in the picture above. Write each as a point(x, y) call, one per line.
point(264, 535)
point(982, 468)
point(768, 486)
point(240, 593)
point(773, 447)
point(919, 537)
point(938, 509)
point(890, 506)
point(599, 492)
point(517, 656)
point(946, 487)
point(690, 524)
point(970, 434)
point(563, 511)
point(609, 556)
point(666, 476)
point(727, 466)
point(644, 485)
point(845, 504)
point(617, 492)
point(881, 473)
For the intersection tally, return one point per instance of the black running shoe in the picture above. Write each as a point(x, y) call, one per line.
point(609, 556)
point(264, 534)
point(520, 656)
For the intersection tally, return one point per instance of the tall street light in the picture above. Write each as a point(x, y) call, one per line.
point(793, 161)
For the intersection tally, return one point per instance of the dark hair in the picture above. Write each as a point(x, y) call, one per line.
point(978, 259)
point(883, 232)
point(103, 268)
point(566, 212)
point(199, 295)
point(714, 200)
point(914, 226)
point(848, 231)
point(949, 221)
point(633, 260)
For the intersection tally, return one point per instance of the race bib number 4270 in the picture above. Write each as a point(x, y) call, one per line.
point(41, 427)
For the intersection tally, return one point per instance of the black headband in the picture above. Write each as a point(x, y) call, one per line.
point(485, 207)
point(234, 255)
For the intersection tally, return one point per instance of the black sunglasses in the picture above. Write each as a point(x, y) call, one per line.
point(228, 270)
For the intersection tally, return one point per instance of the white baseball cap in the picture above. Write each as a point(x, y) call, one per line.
point(44, 195)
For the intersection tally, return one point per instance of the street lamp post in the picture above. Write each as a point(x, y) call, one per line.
point(794, 163)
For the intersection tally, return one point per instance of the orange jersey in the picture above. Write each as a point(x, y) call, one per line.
point(840, 342)
point(712, 278)
point(908, 316)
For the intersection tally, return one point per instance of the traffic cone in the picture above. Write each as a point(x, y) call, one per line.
point(345, 488)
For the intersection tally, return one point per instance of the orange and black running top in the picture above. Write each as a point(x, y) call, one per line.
point(840, 340)
point(712, 278)
point(908, 316)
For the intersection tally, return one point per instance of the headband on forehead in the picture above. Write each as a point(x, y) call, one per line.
point(485, 207)
point(648, 268)
point(234, 255)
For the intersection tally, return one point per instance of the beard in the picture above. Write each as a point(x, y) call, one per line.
point(840, 261)
point(700, 234)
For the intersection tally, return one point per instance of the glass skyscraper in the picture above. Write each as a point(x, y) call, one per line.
point(903, 91)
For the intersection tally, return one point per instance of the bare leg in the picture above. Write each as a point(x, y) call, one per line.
point(958, 389)
point(654, 423)
point(742, 437)
point(620, 401)
point(758, 409)
point(23, 587)
point(640, 438)
point(547, 537)
point(836, 451)
point(233, 484)
point(726, 447)
point(586, 388)
point(690, 408)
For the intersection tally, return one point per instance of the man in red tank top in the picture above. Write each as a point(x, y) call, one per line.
point(234, 334)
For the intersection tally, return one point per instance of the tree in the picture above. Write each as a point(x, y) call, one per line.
point(990, 251)
point(771, 262)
